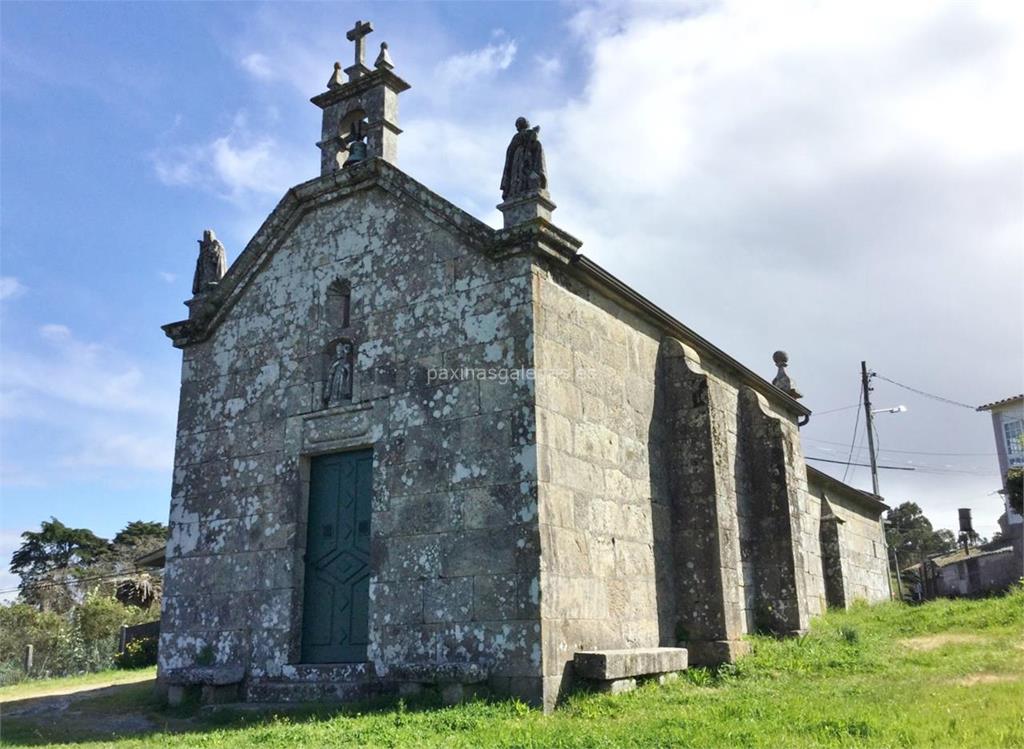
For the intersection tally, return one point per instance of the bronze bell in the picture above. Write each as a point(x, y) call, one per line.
point(356, 153)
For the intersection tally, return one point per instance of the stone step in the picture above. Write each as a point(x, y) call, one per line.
point(276, 690)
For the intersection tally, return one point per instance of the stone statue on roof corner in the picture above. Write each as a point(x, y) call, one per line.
point(211, 265)
point(525, 171)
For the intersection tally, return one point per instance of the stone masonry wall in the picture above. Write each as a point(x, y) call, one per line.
point(455, 541)
point(610, 570)
point(862, 543)
point(861, 546)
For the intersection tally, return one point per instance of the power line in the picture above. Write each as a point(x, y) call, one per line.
point(863, 465)
point(836, 410)
point(76, 581)
point(937, 470)
point(926, 395)
point(909, 452)
point(853, 442)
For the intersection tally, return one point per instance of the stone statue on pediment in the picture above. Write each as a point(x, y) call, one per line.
point(525, 171)
point(211, 264)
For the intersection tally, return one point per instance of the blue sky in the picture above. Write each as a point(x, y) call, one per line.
point(840, 181)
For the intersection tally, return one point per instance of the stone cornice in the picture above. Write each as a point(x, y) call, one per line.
point(866, 499)
point(538, 237)
point(359, 86)
point(596, 276)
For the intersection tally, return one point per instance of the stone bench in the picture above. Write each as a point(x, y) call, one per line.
point(218, 684)
point(618, 670)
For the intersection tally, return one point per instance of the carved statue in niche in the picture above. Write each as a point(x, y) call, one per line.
point(339, 360)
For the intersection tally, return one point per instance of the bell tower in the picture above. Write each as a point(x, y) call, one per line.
point(360, 108)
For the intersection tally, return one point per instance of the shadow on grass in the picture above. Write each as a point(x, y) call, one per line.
point(135, 711)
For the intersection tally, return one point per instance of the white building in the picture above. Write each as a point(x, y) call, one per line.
point(1008, 424)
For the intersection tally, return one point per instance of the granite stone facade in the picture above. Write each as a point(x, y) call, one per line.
point(558, 466)
point(853, 549)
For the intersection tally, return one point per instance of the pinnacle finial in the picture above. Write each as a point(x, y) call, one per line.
point(383, 61)
point(336, 81)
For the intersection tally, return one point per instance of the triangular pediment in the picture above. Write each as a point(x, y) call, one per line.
point(209, 309)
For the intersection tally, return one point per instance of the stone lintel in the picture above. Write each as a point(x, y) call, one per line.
point(611, 665)
point(716, 652)
point(379, 77)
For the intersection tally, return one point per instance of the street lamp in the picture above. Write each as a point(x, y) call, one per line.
point(893, 410)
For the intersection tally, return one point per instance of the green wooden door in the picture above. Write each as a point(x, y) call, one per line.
point(335, 620)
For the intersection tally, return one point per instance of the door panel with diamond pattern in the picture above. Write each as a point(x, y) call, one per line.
point(335, 619)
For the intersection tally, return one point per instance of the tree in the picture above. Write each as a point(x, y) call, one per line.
point(47, 556)
point(911, 534)
point(1015, 489)
point(140, 537)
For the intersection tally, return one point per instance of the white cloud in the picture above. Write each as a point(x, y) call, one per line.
point(106, 448)
point(236, 166)
point(10, 287)
point(548, 65)
point(95, 402)
point(259, 65)
point(839, 180)
point(168, 277)
point(478, 64)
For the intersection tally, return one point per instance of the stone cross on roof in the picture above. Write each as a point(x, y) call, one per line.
point(357, 34)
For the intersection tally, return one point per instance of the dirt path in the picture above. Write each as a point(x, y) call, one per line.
point(96, 710)
point(26, 692)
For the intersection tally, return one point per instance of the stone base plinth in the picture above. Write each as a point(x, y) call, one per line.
point(527, 208)
point(716, 652)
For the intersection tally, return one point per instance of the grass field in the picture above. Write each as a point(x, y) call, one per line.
point(947, 674)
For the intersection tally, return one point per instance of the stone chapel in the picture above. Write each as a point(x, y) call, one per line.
point(414, 450)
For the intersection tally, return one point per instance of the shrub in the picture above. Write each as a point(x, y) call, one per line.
point(82, 640)
point(138, 653)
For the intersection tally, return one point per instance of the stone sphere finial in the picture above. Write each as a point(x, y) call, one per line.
point(782, 381)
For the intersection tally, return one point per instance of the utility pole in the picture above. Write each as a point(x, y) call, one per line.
point(865, 384)
point(865, 381)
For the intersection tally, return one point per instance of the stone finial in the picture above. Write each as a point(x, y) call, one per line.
point(383, 61)
point(336, 80)
point(211, 265)
point(782, 381)
point(524, 180)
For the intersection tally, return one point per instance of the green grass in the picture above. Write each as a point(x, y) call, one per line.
point(41, 687)
point(947, 674)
